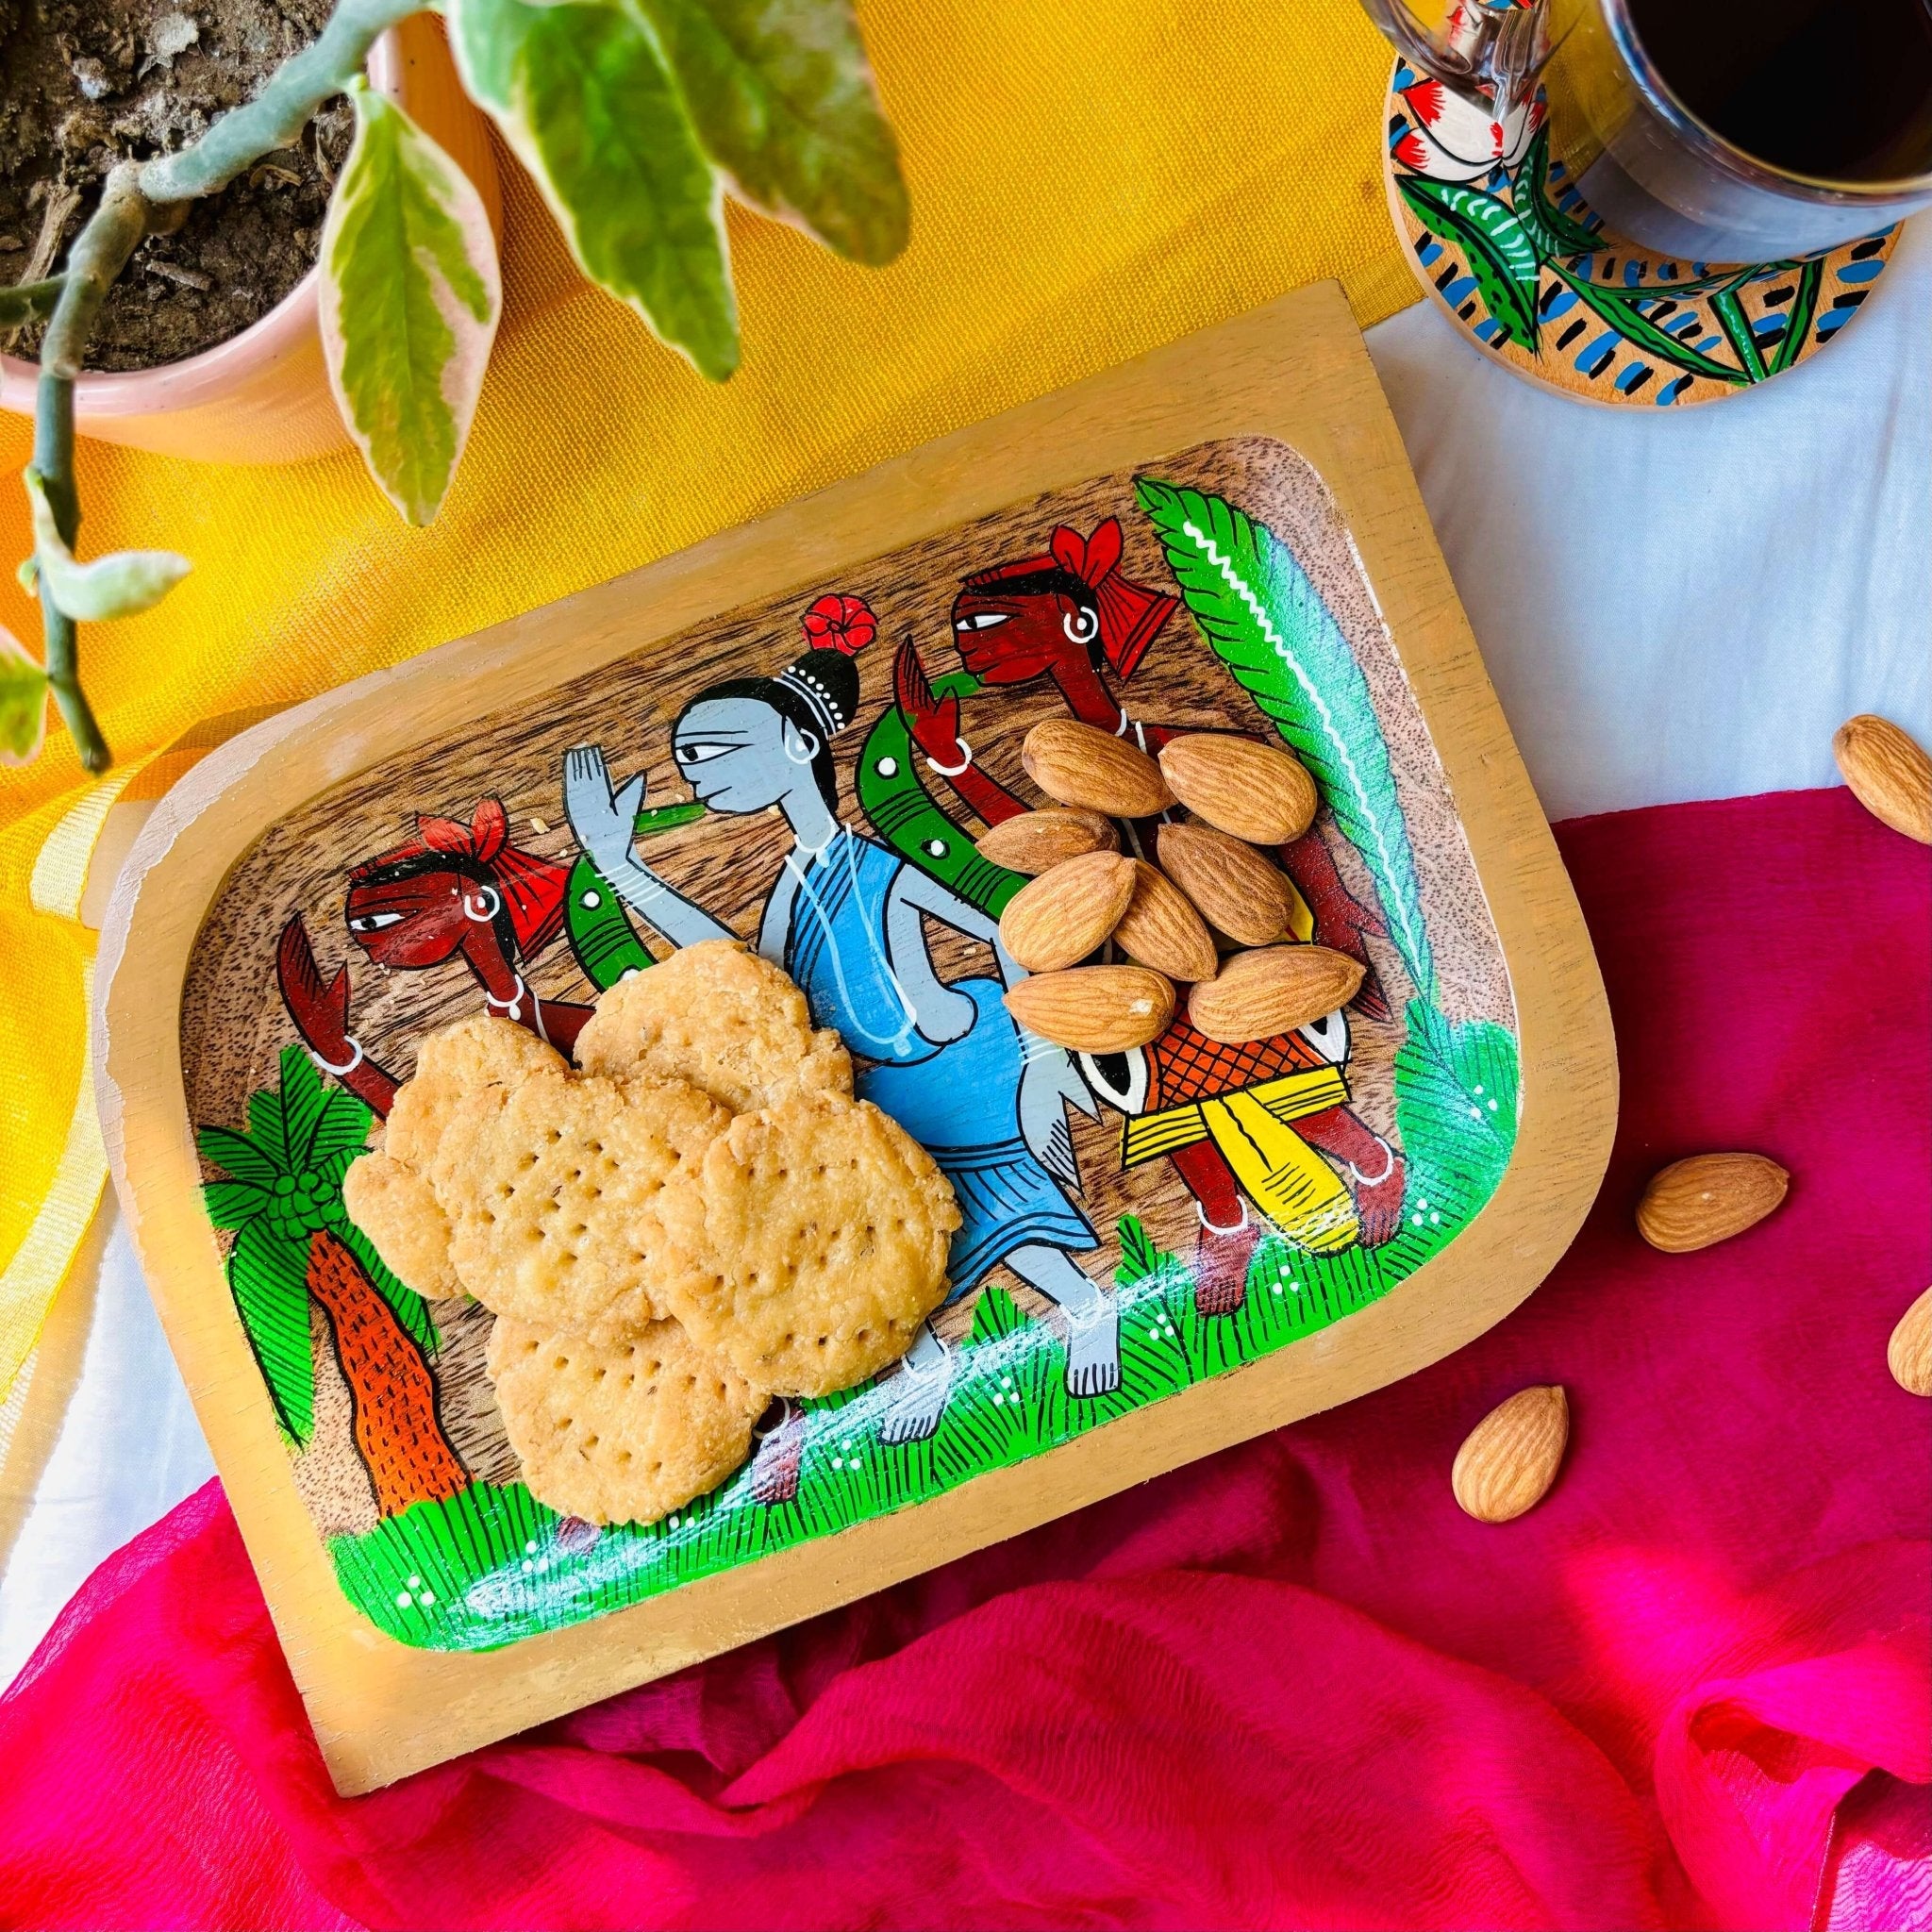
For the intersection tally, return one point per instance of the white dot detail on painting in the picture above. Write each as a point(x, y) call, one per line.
point(428, 1598)
point(1475, 1113)
point(591, 899)
point(529, 1549)
point(936, 847)
point(1415, 1220)
point(887, 768)
point(415, 1582)
point(671, 1522)
point(1435, 1220)
point(1006, 1381)
point(1479, 1086)
point(1492, 1107)
point(1277, 1288)
point(837, 1464)
point(528, 1566)
point(402, 1599)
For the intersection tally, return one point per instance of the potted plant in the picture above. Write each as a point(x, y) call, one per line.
point(215, 351)
point(632, 116)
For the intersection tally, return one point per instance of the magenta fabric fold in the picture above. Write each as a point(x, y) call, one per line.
point(1288, 1686)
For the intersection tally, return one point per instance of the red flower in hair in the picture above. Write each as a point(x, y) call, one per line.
point(839, 624)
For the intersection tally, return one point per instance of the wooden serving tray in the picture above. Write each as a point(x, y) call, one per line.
point(1275, 1229)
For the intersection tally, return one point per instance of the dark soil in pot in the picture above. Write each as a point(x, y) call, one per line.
point(87, 83)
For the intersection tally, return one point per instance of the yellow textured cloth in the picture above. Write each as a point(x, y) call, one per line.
point(1088, 180)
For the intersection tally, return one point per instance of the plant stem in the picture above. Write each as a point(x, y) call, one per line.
point(54, 459)
point(280, 111)
point(141, 197)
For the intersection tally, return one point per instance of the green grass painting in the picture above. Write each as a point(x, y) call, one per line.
point(492, 1564)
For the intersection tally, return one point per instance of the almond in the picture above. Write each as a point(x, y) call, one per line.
point(1254, 791)
point(1257, 995)
point(1909, 1354)
point(1233, 884)
point(1162, 929)
point(1509, 1460)
point(1696, 1203)
point(1036, 842)
point(1888, 773)
point(1066, 913)
point(1095, 1008)
point(1082, 765)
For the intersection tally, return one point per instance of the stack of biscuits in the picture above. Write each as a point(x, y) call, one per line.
point(696, 1219)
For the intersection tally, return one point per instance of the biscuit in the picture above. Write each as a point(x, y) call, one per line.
point(721, 1018)
point(399, 1212)
point(808, 1244)
point(551, 1193)
point(619, 1432)
point(482, 1053)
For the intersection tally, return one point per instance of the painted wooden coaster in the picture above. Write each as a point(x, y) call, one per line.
point(1509, 249)
point(1165, 1251)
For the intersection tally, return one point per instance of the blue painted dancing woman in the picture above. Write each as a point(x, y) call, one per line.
point(846, 919)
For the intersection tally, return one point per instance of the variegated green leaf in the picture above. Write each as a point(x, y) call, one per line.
point(122, 584)
point(582, 92)
point(22, 703)
point(410, 296)
point(783, 101)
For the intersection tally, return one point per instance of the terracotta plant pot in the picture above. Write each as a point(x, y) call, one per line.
point(262, 396)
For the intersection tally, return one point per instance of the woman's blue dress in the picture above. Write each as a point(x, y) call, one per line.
point(959, 1101)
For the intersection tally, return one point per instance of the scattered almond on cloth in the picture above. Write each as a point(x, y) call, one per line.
point(1508, 1461)
point(1889, 773)
point(1708, 1198)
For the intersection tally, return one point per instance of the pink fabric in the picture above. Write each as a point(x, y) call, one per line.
point(1288, 1686)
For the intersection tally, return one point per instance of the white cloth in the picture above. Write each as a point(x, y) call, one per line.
point(1672, 605)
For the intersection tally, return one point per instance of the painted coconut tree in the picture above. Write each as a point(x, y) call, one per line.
point(279, 1191)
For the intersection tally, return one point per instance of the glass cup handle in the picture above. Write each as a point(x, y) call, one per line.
point(1488, 49)
point(1439, 58)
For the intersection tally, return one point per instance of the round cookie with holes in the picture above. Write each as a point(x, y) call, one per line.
point(552, 1196)
point(721, 1018)
point(482, 1054)
point(399, 1212)
point(808, 1244)
point(620, 1431)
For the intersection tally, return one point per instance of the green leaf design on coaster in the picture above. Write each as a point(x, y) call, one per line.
point(1500, 252)
point(1551, 231)
point(582, 92)
point(410, 302)
point(783, 101)
point(1619, 309)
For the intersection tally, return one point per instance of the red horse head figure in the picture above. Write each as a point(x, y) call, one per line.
point(1067, 611)
point(417, 904)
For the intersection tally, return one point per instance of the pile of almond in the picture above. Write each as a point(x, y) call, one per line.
point(1213, 878)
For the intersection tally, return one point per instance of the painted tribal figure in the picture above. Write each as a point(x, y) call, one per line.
point(1251, 1121)
point(845, 918)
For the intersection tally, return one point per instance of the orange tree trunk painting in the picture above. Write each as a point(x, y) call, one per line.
point(279, 1190)
point(393, 1391)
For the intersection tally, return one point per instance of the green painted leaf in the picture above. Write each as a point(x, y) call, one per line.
point(342, 1131)
point(783, 101)
point(237, 1155)
point(1501, 254)
point(304, 1101)
point(23, 702)
point(582, 92)
point(1267, 623)
point(1456, 1090)
point(123, 583)
point(269, 1275)
point(1804, 309)
point(1551, 231)
point(265, 1128)
point(234, 1204)
point(410, 303)
point(1618, 307)
point(667, 818)
point(1737, 327)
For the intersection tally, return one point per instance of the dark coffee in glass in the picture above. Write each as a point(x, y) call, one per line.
point(1836, 90)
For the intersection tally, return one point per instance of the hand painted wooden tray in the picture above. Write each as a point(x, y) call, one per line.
point(1164, 1251)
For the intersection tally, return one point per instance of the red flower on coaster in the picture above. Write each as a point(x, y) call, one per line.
point(839, 624)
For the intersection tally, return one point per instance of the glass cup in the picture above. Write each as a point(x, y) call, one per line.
point(1663, 176)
